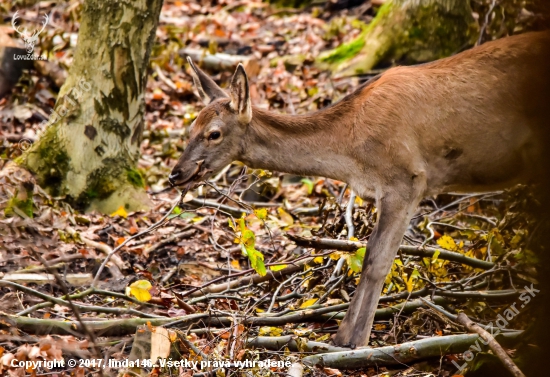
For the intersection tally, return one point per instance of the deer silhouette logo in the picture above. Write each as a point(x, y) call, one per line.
point(30, 39)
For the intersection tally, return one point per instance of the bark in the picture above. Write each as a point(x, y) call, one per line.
point(90, 146)
point(406, 31)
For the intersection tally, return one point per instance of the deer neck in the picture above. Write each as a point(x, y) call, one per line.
point(313, 144)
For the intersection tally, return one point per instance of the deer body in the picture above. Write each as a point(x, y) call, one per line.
point(464, 123)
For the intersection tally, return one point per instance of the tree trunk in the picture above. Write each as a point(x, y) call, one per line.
point(406, 31)
point(90, 145)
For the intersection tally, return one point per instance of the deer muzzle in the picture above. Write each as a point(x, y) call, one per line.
point(181, 175)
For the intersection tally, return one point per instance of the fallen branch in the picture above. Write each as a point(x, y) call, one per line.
point(218, 61)
point(117, 327)
point(399, 354)
point(82, 294)
point(491, 342)
point(327, 243)
point(114, 327)
point(40, 279)
point(72, 305)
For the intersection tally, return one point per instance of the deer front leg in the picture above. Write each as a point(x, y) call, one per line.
point(395, 212)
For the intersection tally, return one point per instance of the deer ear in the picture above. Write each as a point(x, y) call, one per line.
point(207, 88)
point(240, 95)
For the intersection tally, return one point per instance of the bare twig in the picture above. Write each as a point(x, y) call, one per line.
point(492, 343)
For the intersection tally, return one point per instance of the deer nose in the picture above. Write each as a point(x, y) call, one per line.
point(172, 177)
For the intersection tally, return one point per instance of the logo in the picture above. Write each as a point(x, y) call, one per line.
point(29, 38)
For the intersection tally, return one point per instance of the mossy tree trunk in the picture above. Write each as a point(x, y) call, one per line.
point(90, 146)
point(406, 31)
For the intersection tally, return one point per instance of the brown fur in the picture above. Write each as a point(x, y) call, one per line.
point(464, 123)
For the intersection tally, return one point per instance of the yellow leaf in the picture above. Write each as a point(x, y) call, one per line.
point(337, 255)
point(359, 201)
point(308, 303)
point(278, 267)
point(410, 284)
point(447, 242)
point(140, 290)
point(235, 264)
point(173, 336)
point(270, 331)
point(354, 239)
point(120, 212)
point(318, 260)
point(261, 213)
point(285, 217)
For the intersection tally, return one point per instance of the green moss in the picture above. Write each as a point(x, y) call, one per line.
point(49, 161)
point(135, 178)
point(103, 182)
point(345, 51)
point(406, 32)
point(25, 205)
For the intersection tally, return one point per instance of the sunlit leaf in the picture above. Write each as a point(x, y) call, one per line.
point(261, 213)
point(447, 242)
point(285, 217)
point(120, 212)
point(356, 260)
point(270, 331)
point(278, 267)
point(309, 184)
point(140, 290)
point(410, 282)
point(308, 303)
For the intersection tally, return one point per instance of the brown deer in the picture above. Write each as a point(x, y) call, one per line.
point(475, 121)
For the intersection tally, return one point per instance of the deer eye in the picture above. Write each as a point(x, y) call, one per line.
point(214, 135)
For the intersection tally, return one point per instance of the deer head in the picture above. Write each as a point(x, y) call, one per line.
point(30, 39)
point(215, 137)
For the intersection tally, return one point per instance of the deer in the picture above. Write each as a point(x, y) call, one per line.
point(473, 122)
point(30, 39)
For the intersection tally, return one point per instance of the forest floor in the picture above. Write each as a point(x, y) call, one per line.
point(191, 273)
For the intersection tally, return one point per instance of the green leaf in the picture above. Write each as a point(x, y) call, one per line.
point(356, 260)
point(248, 242)
point(309, 185)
